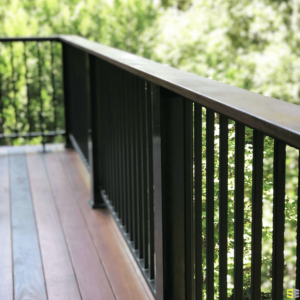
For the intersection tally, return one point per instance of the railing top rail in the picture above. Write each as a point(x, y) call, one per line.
point(279, 119)
point(30, 38)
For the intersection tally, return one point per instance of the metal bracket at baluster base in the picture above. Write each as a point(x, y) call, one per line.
point(97, 205)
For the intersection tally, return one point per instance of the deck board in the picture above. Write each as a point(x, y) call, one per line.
point(125, 281)
point(91, 276)
point(6, 282)
point(60, 277)
point(27, 265)
point(53, 245)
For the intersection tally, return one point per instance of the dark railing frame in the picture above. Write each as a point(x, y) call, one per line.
point(32, 134)
point(172, 92)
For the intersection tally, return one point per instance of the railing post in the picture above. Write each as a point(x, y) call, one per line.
point(96, 154)
point(76, 89)
point(66, 83)
point(170, 195)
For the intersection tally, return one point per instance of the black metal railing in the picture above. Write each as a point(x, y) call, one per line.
point(187, 166)
point(31, 91)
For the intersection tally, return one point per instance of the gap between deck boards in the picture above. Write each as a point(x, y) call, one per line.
point(62, 249)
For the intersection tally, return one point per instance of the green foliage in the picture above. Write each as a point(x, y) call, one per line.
point(118, 23)
point(31, 90)
point(249, 44)
point(252, 44)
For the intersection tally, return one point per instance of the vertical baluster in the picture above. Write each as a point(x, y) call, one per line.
point(189, 216)
point(210, 204)
point(127, 153)
point(117, 141)
point(58, 57)
point(132, 158)
point(278, 219)
point(223, 207)
point(109, 135)
point(150, 179)
point(41, 117)
point(104, 123)
point(144, 172)
point(123, 149)
point(198, 202)
point(136, 174)
point(120, 112)
point(257, 204)
point(97, 132)
point(115, 145)
point(119, 136)
point(112, 136)
point(27, 89)
point(14, 99)
point(67, 67)
point(54, 100)
point(139, 166)
point(104, 101)
point(239, 210)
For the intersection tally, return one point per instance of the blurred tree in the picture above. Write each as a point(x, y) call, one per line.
point(249, 44)
point(118, 23)
point(252, 44)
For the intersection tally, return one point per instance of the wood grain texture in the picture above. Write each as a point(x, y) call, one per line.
point(28, 270)
point(59, 274)
point(126, 282)
point(92, 280)
point(6, 275)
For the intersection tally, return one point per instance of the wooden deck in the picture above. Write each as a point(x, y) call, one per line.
point(53, 245)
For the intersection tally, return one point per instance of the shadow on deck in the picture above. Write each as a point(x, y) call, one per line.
point(53, 245)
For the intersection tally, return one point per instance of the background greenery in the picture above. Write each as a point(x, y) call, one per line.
point(252, 44)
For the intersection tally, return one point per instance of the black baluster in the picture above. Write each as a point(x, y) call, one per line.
point(41, 117)
point(150, 179)
point(14, 99)
point(278, 220)
point(223, 207)
point(27, 90)
point(210, 204)
point(257, 205)
point(239, 210)
point(198, 202)
point(54, 100)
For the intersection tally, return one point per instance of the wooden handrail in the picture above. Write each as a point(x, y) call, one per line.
point(279, 119)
